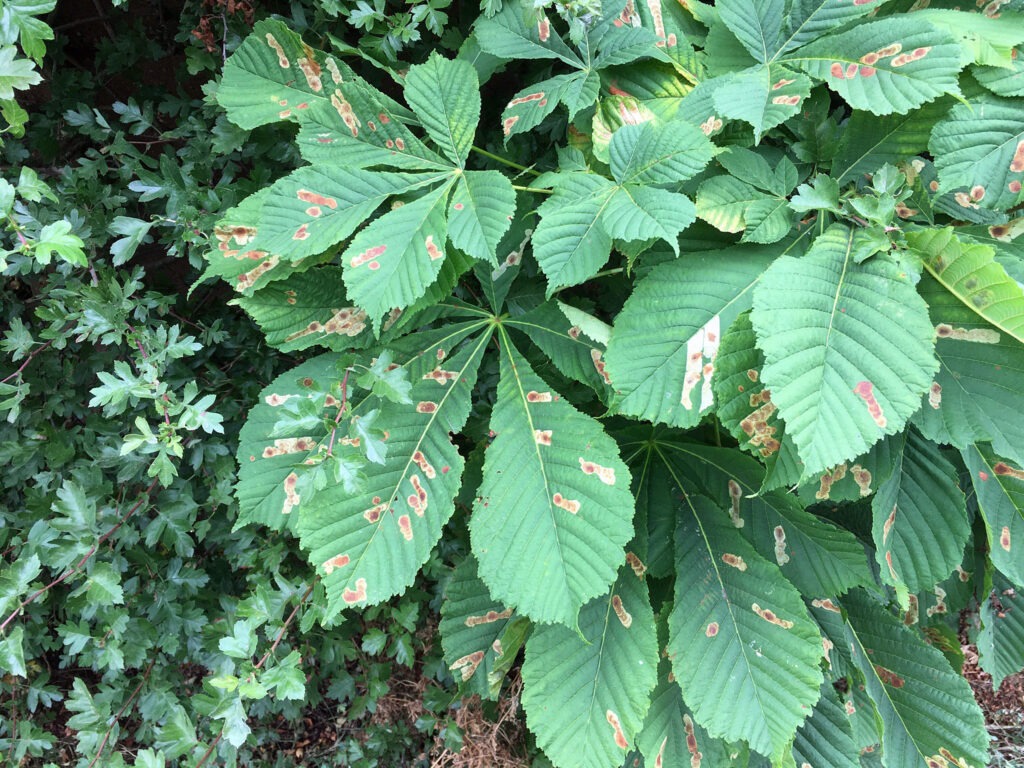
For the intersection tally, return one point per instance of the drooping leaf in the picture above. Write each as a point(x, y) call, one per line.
point(971, 273)
point(849, 348)
point(391, 262)
point(732, 205)
point(306, 309)
point(445, 95)
point(472, 624)
point(527, 108)
point(977, 150)
point(1000, 490)
point(885, 66)
point(734, 611)
point(369, 546)
point(586, 697)
point(826, 737)
point(482, 207)
point(973, 398)
point(554, 510)
point(666, 338)
point(1001, 640)
point(1003, 81)
point(925, 706)
point(920, 524)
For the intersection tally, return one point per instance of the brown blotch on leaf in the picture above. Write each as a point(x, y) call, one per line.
point(466, 666)
point(620, 737)
point(488, 618)
point(889, 677)
point(426, 406)
point(1004, 469)
point(538, 397)
point(351, 596)
point(636, 564)
point(569, 505)
point(1004, 538)
point(826, 605)
point(865, 391)
point(770, 617)
point(712, 629)
point(620, 611)
point(338, 561)
point(605, 474)
point(735, 561)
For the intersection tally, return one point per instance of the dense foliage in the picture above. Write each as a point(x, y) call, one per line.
point(689, 372)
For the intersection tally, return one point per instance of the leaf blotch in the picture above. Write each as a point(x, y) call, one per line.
point(625, 618)
point(605, 474)
point(488, 618)
point(735, 561)
point(352, 596)
point(620, 737)
point(769, 616)
point(338, 561)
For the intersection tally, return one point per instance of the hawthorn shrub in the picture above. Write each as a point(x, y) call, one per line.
point(712, 311)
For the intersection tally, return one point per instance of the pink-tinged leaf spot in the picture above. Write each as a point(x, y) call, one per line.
point(826, 605)
point(865, 391)
point(770, 617)
point(352, 596)
point(506, 125)
point(291, 496)
point(373, 514)
point(780, 545)
point(405, 526)
point(488, 618)
point(735, 561)
point(1014, 186)
point(890, 50)
point(425, 466)
point(1002, 468)
point(539, 96)
point(712, 629)
point(400, 145)
point(862, 478)
point(458, 206)
point(289, 445)
point(711, 125)
point(691, 742)
point(620, 737)
point(781, 83)
point(316, 199)
point(276, 400)
point(851, 710)
point(636, 564)
point(311, 70)
point(940, 606)
point(892, 568)
point(599, 366)
point(538, 397)
point(338, 561)
point(620, 611)
point(935, 395)
point(368, 255)
point(826, 650)
point(828, 479)
point(659, 760)
point(1004, 538)
point(574, 332)
point(542, 436)
point(978, 335)
point(282, 60)
point(344, 110)
point(605, 474)
point(466, 666)
point(433, 251)
point(426, 406)
point(977, 193)
point(888, 524)
point(735, 494)
point(889, 677)
point(543, 29)
point(654, 6)
point(569, 505)
point(302, 233)
point(418, 499)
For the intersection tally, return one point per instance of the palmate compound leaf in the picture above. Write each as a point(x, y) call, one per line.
point(976, 393)
point(920, 523)
point(671, 738)
point(890, 65)
point(665, 340)
point(586, 694)
point(849, 347)
point(928, 711)
point(391, 262)
point(445, 95)
point(970, 272)
point(554, 510)
point(306, 309)
point(979, 150)
point(1001, 640)
point(744, 649)
point(370, 545)
point(820, 558)
point(1000, 490)
point(745, 407)
point(586, 212)
point(472, 624)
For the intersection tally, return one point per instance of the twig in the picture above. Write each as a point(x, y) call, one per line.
point(341, 410)
point(106, 736)
point(504, 161)
point(209, 750)
point(76, 568)
point(284, 627)
point(28, 360)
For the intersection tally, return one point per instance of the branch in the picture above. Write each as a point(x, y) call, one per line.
point(284, 627)
point(77, 567)
point(103, 743)
point(28, 360)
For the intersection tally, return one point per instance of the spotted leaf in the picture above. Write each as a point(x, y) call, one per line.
point(999, 486)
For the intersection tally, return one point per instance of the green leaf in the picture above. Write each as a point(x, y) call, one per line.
point(885, 66)
point(1003, 81)
point(370, 545)
point(849, 348)
point(731, 205)
point(810, 19)
point(472, 625)
point(668, 332)
point(869, 141)
point(12, 654)
point(554, 475)
point(974, 395)
point(586, 694)
point(920, 524)
point(734, 611)
point(57, 238)
point(971, 273)
point(764, 96)
point(1001, 640)
point(1000, 490)
point(520, 33)
point(977, 149)
point(925, 706)
point(664, 153)
point(386, 380)
point(482, 207)
point(241, 643)
point(826, 737)
point(445, 95)
point(15, 74)
point(757, 26)
point(393, 261)
point(306, 309)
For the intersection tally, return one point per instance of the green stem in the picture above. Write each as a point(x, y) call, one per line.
point(535, 190)
point(504, 161)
